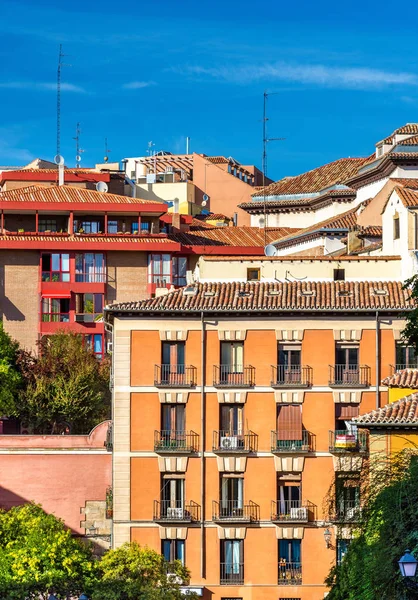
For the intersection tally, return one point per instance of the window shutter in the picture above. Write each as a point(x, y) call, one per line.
point(289, 423)
point(78, 303)
point(347, 411)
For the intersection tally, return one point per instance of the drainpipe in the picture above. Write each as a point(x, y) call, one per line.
point(377, 361)
point(203, 446)
point(110, 329)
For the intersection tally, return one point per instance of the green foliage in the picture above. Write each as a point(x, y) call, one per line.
point(410, 331)
point(390, 526)
point(10, 377)
point(134, 573)
point(65, 384)
point(38, 554)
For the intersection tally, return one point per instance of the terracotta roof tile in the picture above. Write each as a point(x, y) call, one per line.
point(411, 141)
point(277, 296)
point(212, 217)
point(370, 231)
point(315, 180)
point(412, 184)
point(68, 194)
point(230, 236)
point(409, 128)
point(408, 197)
point(405, 378)
point(309, 202)
point(369, 248)
point(402, 412)
point(82, 239)
point(217, 160)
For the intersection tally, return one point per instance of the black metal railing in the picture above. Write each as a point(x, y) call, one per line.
point(348, 511)
point(401, 367)
point(235, 511)
point(234, 442)
point(291, 441)
point(232, 573)
point(233, 376)
point(176, 511)
point(342, 440)
point(176, 441)
point(174, 376)
point(349, 375)
point(290, 573)
point(291, 376)
point(109, 438)
point(292, 511)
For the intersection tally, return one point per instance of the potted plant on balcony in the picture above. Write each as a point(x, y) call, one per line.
point(20, 231)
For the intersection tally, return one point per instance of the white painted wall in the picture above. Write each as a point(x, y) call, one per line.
point(404, 246)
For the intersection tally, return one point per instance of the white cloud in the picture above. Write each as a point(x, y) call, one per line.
point(335, 77)
point(34, 85)
point(137, 85)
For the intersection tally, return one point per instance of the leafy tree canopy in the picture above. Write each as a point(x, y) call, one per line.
point(10, 377)
point(410, 331)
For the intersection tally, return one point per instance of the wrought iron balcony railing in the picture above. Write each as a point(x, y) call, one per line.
point(291, 376)
point(232, 442)
point(348, 511)
point(341, 441)
point(290, 573)
point(175, 376)
point(232, 573)
point(176, 442)
point(291, 441)
point(290, 511)
point(401, 367)
point(169, 511)
point(234, 511)
point(349, 375)
point(225, 376)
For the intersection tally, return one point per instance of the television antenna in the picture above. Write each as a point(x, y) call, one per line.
point(78, 150)
point(107, 151)
point(266, 140)
point(60, 65)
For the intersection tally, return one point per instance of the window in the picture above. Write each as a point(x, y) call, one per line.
point(173, 367)
point(173, 418)
point(347, 496)
point(55, 267)
point(344, 413)
point(339, 274)
point(159, 269)
point(289, 363)
point(55, 310)
point(396, 227)
point(89, 307)
point(232, 562)
point(347, 364)
point(47, 225)
point(232, 496)
point(134, 227)
point(173, 550)
point(289, 427)
point(253, 274)
point(289, 495)
point(290, 562)
point(231, 419)
point(112, 227)
point(90, 268)
point(87, 226)
point(94, 342)
point(145, 226)
point(405, 356)
point(342, 549)
point(179, 270)
point(229, 169)
point(172, 497)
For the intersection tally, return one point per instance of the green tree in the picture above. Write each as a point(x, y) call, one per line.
point(38, 554)
point(65, 385)
point(390, 526)
point(10, 377)
point(410, 331)
point(134, 573)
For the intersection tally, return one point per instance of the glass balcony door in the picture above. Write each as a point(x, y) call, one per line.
point(173, 363)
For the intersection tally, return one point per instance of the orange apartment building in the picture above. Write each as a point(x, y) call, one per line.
point(233, 445)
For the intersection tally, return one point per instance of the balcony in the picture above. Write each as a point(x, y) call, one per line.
point(291, 376)
point(175, 376)
point(233, 376)
point(290, 573)
point(176, 442)
point(348, 512)
point(232, 511)
point(349, 376)
point(291, 442)
point(232, 574)
point(231, 442)
point(89, 317)
point(343, 441)
point(289, 511)
point(399, 367)
point(167, 511)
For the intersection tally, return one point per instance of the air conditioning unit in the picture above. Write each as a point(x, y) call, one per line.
point(299, 514)
point(353, 513)
point(174, 579)
point(175, 513)
point(229, 443)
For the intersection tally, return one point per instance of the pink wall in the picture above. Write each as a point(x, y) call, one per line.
point(59, 472)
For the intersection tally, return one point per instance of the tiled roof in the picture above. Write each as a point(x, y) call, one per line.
point(405, 378)
point(84, 238)
point(278, 296)
point(315, 180)
point(230, 236)
point(217, 160)
point(369, 248)
point(408, 197)
point(409, 128)
point(411, 141)
point(75, 171)
point(400, 413)
point(308, 202)
point(68, 194)
point(213, 217)
point(301, 257)
point(412, 184)
point(370, 231)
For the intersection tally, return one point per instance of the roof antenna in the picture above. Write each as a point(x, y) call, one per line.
point(264, 162)
point(78, 150)
point(107, 151)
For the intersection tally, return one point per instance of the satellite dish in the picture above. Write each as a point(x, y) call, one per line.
point(204, 203)
point(101, 186)
point(58, 159)
point(78, 158)
point(205, 197)
point(270, 250)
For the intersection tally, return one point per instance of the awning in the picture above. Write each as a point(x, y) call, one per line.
point(64, 294)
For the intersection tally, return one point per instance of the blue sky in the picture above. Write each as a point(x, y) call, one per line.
point(346, 75)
